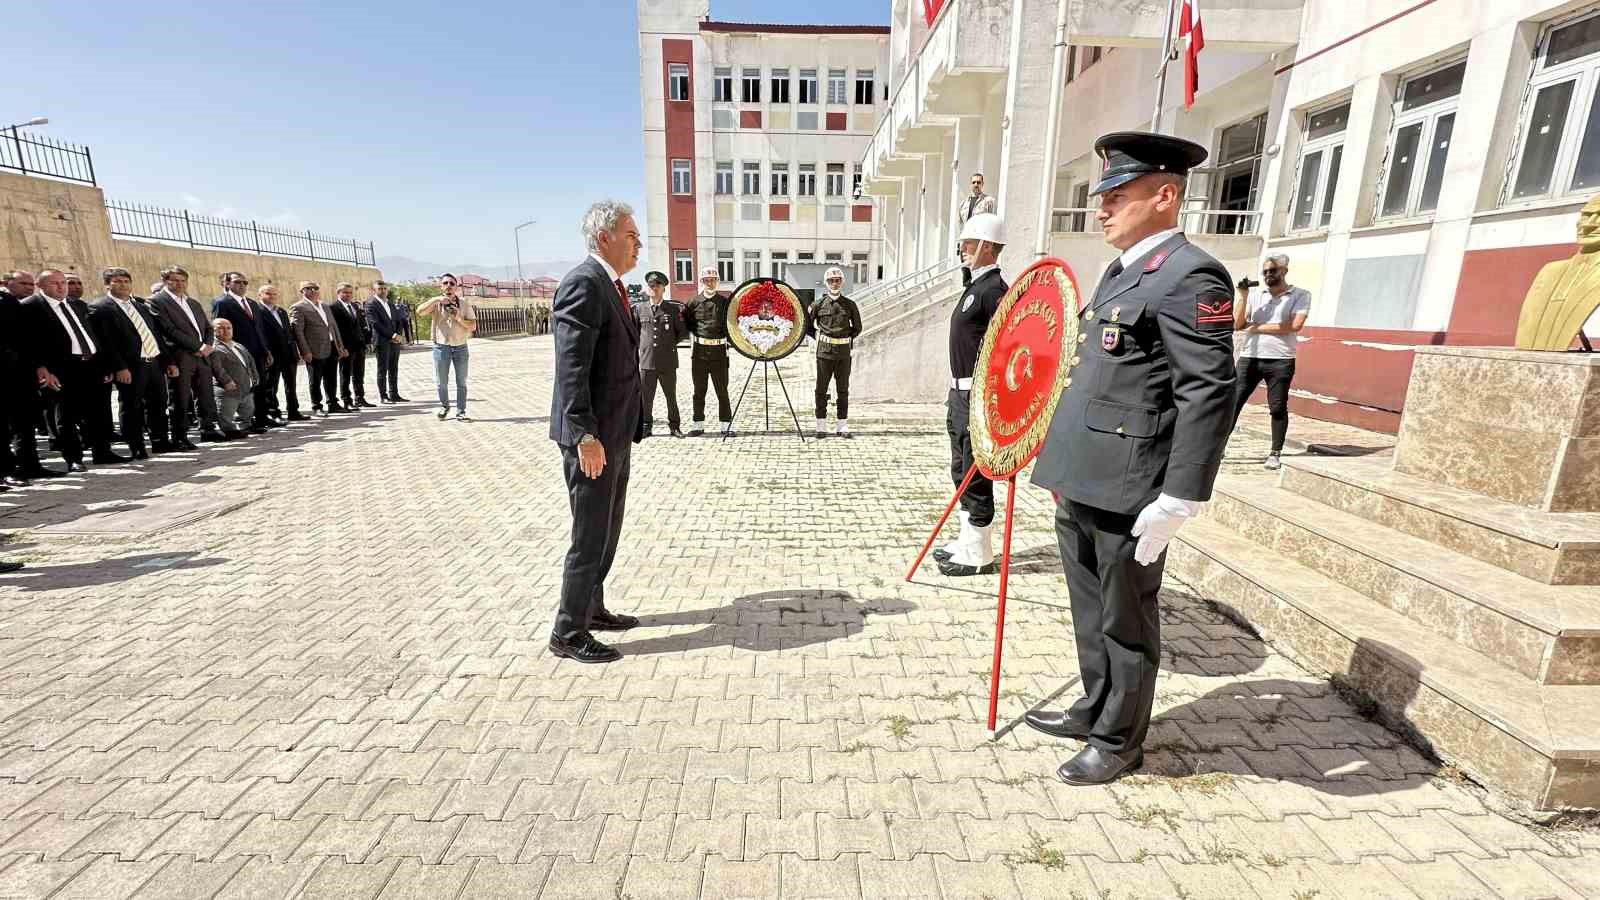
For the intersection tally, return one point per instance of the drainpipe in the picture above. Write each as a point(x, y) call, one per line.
point(1052, 137)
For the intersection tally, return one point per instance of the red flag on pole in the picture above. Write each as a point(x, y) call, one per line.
point(1189, 26)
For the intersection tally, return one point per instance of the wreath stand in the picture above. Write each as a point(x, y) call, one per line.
point(767, 366)
point(1005, 578)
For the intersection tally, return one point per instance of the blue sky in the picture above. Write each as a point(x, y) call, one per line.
point(429, 128)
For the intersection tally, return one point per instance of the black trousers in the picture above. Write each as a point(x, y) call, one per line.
point(192, 387)
point(284, 370)
point(19, 409)
point(1278, 374)
point(714, 370)
point(261, 393)
point(321, 375)
point(142, 403)
point(597, 509)
point(353, 371)
point(388, 369)
point(1115, 621)
point(838, 371)
point(978, 500)
point(668, 379)
point(77, 413)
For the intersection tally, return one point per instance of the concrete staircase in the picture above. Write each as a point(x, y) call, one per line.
point(1471, 621)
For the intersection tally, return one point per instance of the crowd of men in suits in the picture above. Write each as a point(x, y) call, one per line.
point(172, 364)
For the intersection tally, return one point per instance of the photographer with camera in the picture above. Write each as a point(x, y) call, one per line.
point(454, 321)
point(1270, 321)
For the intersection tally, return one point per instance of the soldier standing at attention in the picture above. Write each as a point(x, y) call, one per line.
point(982, 239)
point(1136, 442)
point(661, 326)
point(835, 321)
point(707, 318)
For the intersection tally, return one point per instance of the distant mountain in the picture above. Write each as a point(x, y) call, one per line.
point(404, 268)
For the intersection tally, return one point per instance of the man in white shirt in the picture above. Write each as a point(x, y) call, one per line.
point(130, 342)
point(65, 347)
point(236, 375)
point(1269, 322)
point(188, 333)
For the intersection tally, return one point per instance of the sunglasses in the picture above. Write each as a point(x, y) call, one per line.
point(1271, 271)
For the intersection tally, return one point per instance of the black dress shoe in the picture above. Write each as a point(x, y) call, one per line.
point(333, 407)
point(212, 437)
point(362, 401)
point(258, 429)
point(41, 472)
point(696, 432)
point(605, 620)
point(677, 432)
point(299, 417)
point(584, 648)
point(941, 555)
point(1095, 766)
point(1056, 724)
point(9, 567)
point(398, 399)
point(109, 458)
point(957, 570)
point(76, 468)
point(184, 446)
point(233, 435)
point(141, 454)
point(159, 447)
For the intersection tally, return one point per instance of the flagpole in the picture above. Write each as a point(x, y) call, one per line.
point(1166, 59)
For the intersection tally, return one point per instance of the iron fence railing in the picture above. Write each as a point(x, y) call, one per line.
point(502, 322)
point(32, 155)
point(179, 226)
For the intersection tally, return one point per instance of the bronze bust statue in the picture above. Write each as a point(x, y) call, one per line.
point(1565, 293)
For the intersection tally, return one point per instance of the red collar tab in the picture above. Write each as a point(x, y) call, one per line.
point(1156, 262)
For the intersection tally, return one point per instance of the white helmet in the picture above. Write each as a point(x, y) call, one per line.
point(985, 227)
point(834, 272)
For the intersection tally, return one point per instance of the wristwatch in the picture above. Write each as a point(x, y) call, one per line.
point(588, 439)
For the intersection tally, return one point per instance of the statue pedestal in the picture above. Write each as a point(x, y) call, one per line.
point(1518, 425)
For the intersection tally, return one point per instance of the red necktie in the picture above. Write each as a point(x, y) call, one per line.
point(247, 313)
point(622, 294)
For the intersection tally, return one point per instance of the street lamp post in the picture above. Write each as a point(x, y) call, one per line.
point(16, 140)
point(517, 238)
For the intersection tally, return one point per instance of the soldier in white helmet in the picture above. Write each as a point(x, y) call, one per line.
point(835, 321)
point(982, 239)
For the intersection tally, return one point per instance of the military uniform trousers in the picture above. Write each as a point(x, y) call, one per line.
point(1115, 622)
point(710, 364)
point(978, 500)
point(597, 509)
point(837, 370)
point(668, 379)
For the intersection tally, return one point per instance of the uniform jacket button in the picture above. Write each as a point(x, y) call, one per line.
point(1120, 431)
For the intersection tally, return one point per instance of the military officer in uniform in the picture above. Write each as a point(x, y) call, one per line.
point(707, 318)
point(1136, 442)
point(982, 239)
point(661, 327)
point(835, 321)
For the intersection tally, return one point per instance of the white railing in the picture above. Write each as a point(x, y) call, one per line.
point(886, 299)
point(1081, 220)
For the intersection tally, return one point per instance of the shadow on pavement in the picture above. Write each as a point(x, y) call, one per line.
point(771, 620)
point(106, 571)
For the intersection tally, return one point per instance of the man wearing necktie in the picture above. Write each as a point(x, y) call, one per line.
point(70, 357)
point(383, 318)
point(130, 342)
point(188, 333)
point(596, 416)
point(249, 329)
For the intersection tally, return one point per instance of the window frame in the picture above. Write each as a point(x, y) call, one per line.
point(1328, 146)
point(862, 264)
point(1236, 224)
point(725, 256)
point(724, 168)
point(750, 84)
point(685, 169)
point(779, 260)
point(752, 264)
point(869, 83)
point(808, 87)
point(780, 179)
point(680, 259)
point(1428, 118)
point(840, 79)
point(675, 73)
point(722, 84)
point(806, 180)
point(829, 171)
point(750, 174)
point(780, 85)
point(1584, 73)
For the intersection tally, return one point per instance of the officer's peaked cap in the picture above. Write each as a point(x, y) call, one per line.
point(1127, 155)
point(654, 277)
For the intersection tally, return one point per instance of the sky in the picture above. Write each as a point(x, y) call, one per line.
point(429, 128)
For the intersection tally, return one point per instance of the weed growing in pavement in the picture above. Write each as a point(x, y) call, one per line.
point(899, 728)
point(1039, 853)
point(854, 747)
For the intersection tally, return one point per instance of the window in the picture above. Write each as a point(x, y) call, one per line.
point(832, 259)
point(1072, 63)
point(681, 182)
point(836, 86)
point(724, 177)
point(780, 179)
point(855, 181)
point(805, 256)
point(858, 262)
point(1078, 222)
point(808, 179)
point(835, 179)
point(780, 85)
point(722, 83)
point(864, 91)
point(1320, 158)
point(806, 121)
point(683, 267)
point(751, 212)
point(722, 119)
point(833, 213)
point(1419, 142)
point(751, 84)
point(752, 264)
point(725, 265)
point(780, 264)
point(1558, 150)
point(678, 81)
point(1090, 56)
point(1237, 181)
point(808, 85)
point(752, 178)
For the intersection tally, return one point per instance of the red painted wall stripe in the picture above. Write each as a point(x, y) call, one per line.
point(682, 228)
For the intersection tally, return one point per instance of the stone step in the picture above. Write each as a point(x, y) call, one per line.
point(1548, 633)
point(1538, 742)
point(1554, 548)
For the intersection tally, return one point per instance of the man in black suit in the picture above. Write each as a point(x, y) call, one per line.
point(353, 331)
point(279, 337)
point(187, 330)
point(64, 346)
point(383, 317)
point(20, 380)
point(131, 346)
point(243, 313)
point(595, 418)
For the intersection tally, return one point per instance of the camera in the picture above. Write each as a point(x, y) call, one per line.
point(1246, 284)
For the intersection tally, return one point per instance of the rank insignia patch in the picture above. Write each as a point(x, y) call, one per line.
point(1213, 314)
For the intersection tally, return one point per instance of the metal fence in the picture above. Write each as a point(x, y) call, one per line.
point(501, 322)
point(43, 156)
point(179, 226)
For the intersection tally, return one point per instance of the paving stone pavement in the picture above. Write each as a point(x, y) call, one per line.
point(341, 689)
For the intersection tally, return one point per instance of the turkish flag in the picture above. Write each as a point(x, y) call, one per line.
point(1189, 26)
point(930, 10)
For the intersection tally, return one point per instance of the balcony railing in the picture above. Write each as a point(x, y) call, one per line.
point(886, 299)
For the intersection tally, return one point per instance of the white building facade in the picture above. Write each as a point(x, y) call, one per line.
point(1418, 162)
point(754, 135)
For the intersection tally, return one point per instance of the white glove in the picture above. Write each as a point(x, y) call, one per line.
point(1157, 523)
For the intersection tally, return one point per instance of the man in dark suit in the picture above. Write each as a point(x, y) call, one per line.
point(1136, 442)
point(383, 317)
point(279, 336)
point(353, 333)
point(131, 346)
point(188, 333)
point(20, 380)
point(595, 418)
point(236, 306)
point(660, 323)
point(64, 346)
